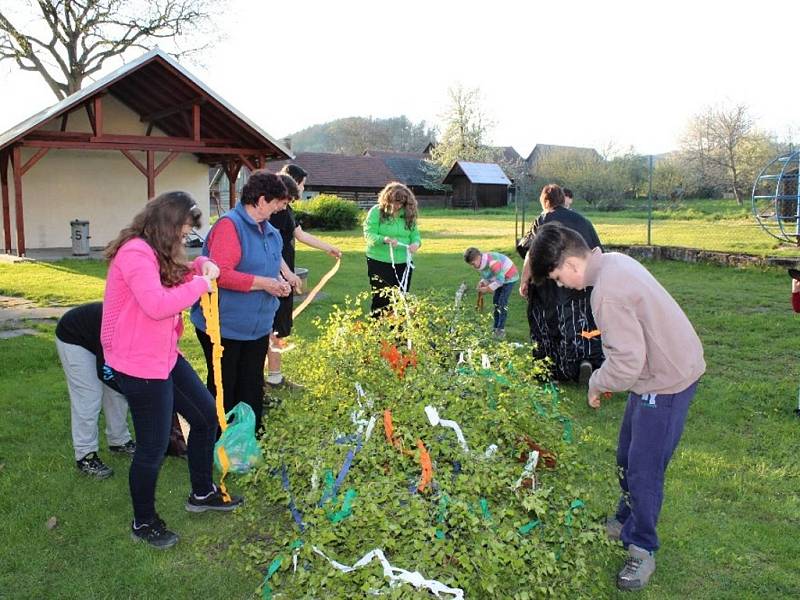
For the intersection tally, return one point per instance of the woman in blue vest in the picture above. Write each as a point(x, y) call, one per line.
point(247, 250)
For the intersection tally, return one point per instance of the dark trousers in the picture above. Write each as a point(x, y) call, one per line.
point(500, 301)
point(650, 432)
point(151, 403)
point(242, 372)
point(381, 276)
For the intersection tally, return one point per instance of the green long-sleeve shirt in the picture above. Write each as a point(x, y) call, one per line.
point(394, 227)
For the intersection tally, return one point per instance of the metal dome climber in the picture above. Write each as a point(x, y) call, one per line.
point(776, 198)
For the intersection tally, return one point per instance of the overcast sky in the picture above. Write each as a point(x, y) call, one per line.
point(583, 73)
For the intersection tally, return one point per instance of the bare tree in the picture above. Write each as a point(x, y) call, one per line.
point(66, 41)
point(724, 148)
point(465, 129)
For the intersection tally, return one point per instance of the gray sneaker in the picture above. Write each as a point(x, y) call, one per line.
point(584, 373)
point(639, 566)
point(92, 466)
point(613, 528)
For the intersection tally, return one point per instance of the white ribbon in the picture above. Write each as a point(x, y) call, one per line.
point(490, 451)
point(462, 289)
point(433, 417)
point(397, 576)
point(528, 472)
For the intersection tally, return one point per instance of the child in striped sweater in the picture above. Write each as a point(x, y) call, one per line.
point(498, 276)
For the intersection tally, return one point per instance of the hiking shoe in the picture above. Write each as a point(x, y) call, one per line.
point(285, 384)
point(128, 447)
point(92, 466)
point(613, 528)
point(155, 533)
point(639, 566)
point(500, 334)
point(213, 501)
point(584, 373)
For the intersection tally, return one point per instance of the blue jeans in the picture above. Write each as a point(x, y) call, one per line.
point(151, 402)
point(650, 432)
point(500, 300)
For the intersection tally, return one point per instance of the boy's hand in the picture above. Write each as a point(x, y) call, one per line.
point(795, 286)
point(594, 399)
point(523, 289)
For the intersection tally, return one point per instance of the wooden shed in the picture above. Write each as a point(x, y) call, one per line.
point(477, 185)
point(102, 152)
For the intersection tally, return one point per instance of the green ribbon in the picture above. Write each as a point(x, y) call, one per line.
point(347, 507)
point(576, 504)
point(266, 591)
point(443, 501)
point(528, 527)
point(567, 436)
point(485, 509)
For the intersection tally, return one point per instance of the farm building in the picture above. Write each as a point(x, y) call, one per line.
point(477, 185)
point(99, 154)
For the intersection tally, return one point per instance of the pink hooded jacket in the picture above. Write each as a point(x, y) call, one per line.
point(141, 317)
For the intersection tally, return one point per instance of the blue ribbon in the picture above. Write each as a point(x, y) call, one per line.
point(296, 515)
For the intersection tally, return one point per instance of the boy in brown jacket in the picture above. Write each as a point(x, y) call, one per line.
point(651, 350)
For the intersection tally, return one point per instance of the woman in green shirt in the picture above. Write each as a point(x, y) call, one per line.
point(391, 232)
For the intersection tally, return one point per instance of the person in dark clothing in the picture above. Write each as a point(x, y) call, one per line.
point(91, 385)
point(560, 319)
point(294, 178)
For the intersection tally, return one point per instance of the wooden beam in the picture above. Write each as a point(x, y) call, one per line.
point(165, 163)
point(34, 159)
point(149, 129)
point(90, 114)
point(98, 116)
point(247, 163)
point(232, 171)
point(151, 174)
point(135, 162)
point(183, 106)
point(196, 122)
point(16, 161)
point(6, 205)
point(158, 147)
point(64, 120)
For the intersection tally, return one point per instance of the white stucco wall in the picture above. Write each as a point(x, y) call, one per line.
point(101, 187)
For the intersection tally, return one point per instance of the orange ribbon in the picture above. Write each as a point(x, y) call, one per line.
point(590, 334)
point(388, 428)
point(398, 361)
point(427, 467)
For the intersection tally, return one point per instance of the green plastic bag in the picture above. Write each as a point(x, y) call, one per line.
point(239, 440)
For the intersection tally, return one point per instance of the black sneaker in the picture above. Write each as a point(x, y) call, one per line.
point(584, 373)
point(156, 534)
point(128, 447)
point(213, 501)
point(92, 466)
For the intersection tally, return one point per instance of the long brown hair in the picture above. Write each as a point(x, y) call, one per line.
point(396, 191)
point(160, 225)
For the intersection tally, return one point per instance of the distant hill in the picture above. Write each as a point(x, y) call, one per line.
point(354, 135)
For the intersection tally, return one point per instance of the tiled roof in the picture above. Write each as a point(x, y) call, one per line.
point(338, 170)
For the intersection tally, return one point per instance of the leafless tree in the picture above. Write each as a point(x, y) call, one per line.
point(66, 41)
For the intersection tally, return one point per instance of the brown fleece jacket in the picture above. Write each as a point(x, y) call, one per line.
point(649, 343)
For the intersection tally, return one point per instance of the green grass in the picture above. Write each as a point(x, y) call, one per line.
point(731, 516)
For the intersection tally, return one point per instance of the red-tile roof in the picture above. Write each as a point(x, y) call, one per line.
point(338, 170)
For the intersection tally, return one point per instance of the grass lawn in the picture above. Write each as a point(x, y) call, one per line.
point(731, 516)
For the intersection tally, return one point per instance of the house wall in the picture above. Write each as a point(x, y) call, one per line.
point(98, 186)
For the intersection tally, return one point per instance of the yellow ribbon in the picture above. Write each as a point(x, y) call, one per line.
point(209, 303)
point(313, 293)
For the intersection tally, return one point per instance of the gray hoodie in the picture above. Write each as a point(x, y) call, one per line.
point(649, 343)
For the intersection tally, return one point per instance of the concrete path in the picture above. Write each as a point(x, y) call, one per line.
point(15, 313)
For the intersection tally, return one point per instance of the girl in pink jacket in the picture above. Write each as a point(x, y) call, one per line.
point(149, 283)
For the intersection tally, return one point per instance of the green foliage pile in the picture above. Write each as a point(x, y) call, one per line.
point(327, 212)
point(470, 529)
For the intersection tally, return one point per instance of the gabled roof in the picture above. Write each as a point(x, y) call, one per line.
point(539, 150)
point(337, 170)
point(151, 83)
point(507, 153)
point(393, 153)
point(490, 173)
point(409, 168)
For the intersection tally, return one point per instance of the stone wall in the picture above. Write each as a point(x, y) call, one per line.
point(695, 255)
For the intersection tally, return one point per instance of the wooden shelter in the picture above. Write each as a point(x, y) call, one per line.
point(149, 121)
point(477, 185)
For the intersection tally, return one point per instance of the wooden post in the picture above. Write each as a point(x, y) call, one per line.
point(196, 122)
point(16, 165)
point(6, 205)
point(98, 116)
point(232, 171)
point(151, 174)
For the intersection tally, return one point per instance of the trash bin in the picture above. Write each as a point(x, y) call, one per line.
point(80, 237)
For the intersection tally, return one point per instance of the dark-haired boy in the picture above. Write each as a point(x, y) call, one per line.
point(652, 350)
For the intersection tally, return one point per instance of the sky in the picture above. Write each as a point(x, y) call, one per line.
point(613, 74)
